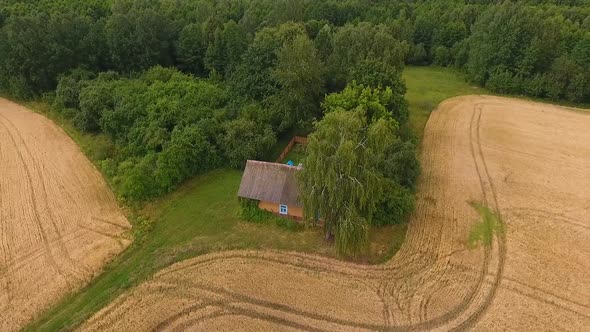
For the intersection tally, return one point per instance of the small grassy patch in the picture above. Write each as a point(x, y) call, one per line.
point(428, 86)
point(296, 155)
point(385, 241)
point(483, 231)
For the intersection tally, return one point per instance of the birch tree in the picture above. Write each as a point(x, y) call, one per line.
point(341, 181)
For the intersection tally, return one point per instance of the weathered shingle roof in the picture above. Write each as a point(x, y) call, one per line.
point(270, 182)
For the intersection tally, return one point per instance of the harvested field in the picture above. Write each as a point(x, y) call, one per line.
point(59, 222)
point(528, 161)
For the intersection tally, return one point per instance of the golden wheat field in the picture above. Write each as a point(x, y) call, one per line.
point(530, 162)
point(59, 221)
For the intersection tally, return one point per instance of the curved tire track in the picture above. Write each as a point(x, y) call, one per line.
point(49, 196)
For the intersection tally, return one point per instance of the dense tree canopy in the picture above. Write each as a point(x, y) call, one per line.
point(180, 87)
point(533, 47)
point(518, 49)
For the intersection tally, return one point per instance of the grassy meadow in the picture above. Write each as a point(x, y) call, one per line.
point(428, 86)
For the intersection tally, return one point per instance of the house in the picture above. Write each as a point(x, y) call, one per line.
point(274, 186)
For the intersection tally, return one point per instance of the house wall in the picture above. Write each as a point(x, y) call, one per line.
point(296, 212)
point(293, 211)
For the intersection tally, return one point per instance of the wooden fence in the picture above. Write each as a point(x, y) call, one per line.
point(289, 147)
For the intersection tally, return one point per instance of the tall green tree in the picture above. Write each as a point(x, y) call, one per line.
point(253, 78)
point(324, 42)
point(215, 56)
point(225, 51)
point(300, 74)
point(354, 44)
point(341, 182)
point(191, 48)
point(139, 38)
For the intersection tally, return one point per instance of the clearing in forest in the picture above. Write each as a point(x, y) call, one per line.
point(525, 165)
point(59, 221)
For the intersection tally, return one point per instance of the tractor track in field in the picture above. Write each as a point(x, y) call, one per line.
point(35, 210)
point(70, 271)
point(57, 216)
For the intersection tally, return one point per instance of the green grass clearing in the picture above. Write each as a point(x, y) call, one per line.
point(428, 86)
point(296, 155)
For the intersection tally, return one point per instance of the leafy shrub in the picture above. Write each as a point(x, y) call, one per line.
point(250, 211)
point(442, 56)
point(94, 99)
point(135, 180)
point(187, 153)
point(418, 55)
point(501, 81)
point(578, 89)
point(108, 167)
point(460, 54)
point(67, 94)
point(535, 86)
point(244, 138)
point(400, 164)
point(396, 205)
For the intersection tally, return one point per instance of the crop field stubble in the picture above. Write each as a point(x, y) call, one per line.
point(59, 221)
point(527, 161)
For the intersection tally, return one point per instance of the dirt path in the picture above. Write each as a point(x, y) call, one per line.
point(59, 222)
point(529, 161)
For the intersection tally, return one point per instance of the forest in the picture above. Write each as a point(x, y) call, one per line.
point(183, 87)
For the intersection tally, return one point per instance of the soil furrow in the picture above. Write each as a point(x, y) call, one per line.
point(47, 187)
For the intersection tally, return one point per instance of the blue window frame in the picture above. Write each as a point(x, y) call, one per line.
point(283, 209)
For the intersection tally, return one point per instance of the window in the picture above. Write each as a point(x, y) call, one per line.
point(283, 209)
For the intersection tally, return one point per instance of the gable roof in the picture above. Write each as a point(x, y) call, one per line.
point(270, 182)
